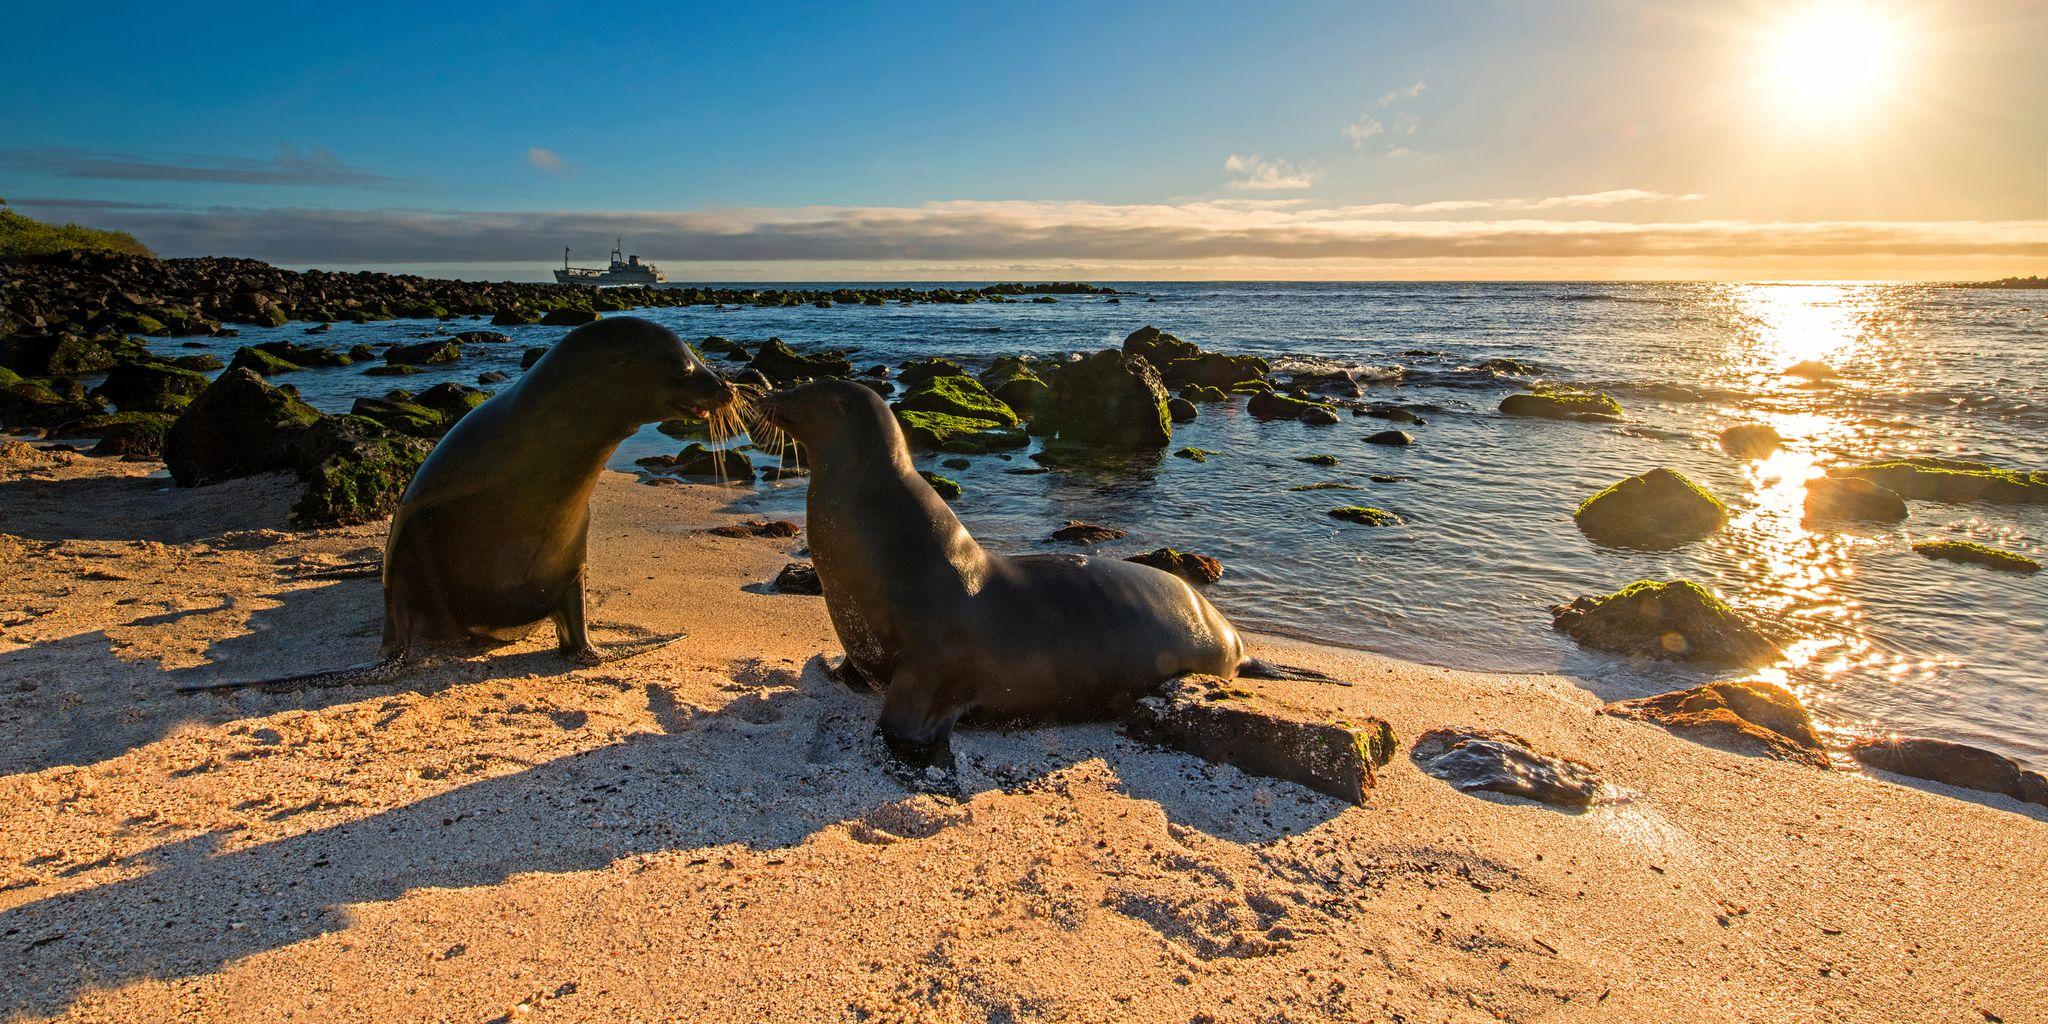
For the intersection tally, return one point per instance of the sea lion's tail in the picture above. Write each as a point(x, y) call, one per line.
point(368, 673)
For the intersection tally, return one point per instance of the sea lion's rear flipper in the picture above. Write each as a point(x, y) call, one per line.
point(364, 570)
point(369, 673)
point(623, 649)
point(1253, 668)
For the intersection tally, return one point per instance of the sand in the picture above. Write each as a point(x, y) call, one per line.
point(708, 832)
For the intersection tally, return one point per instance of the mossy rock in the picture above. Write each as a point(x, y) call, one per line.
point(1952, 480)
point(1317, 460)
point(151, 387)
point(917, 371)
point(392, 370)
point(569, 317)
point(126, 434)
point(1012, 381)
point(1673, 621)
point(1200, 570)
point(1656, 510)
point(426, 353)
point(59, 354)
point(28, 402)
point(1271, 405)
point(1365, 515)
point(1214, 370)
point(1107, 399)
point(1158, 347)
point(784, 365)
point(956, 395)
point(1564, 404)
point(1193, 454)
point(304, 355)
point(239, 426)
point(513, 317)
point(1204, 393)
point(935, 431)
point(1976, 554)
point(405, 417)
point(946, 487)
point(261, 363)
point(354, 471)
point(1327, 485)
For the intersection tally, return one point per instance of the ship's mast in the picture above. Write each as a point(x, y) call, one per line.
point(565, 257)
point(618, 248)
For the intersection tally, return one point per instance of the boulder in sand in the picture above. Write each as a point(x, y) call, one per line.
point(1953, 764)
point(798, 578)
point(1659, 509)
point(1747, 718)
point(697, 460)
point(239, 426)
point(354, 470)
point(1676, 621)
point(1502, 762)
point(1224, 722)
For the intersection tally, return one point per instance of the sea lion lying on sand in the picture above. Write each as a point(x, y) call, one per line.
point(489, 539)
point(952, 631)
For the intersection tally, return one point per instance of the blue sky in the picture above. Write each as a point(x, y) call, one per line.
point(1276, 140)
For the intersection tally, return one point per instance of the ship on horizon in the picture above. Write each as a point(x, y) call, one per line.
point(624, 271)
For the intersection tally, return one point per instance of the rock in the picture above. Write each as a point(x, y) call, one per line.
point(34, 403)
point(1976, 554)
point(946, 487)
point(1193, 454)
point(150, 387)
point(1563, 404)
point(201, 363)
point(1013, 382)
point(1223, 722)
point(1365, 515)
point(697, 460)
point(1202, 393)
point(392, 370)
point(1107, 399)
point(1180, 410)
point(955, 463)
point(569, 317)
point(724, 347)
point(361, 353)
point(1749, 718)
point(481, 338)
point(134, 435)
point(354, 470)
point(1656, 510)
point(304, 355)
point(932, 431)
point(1323, 416)
point(1078, 532)
point(261, 363)
point(1952, 764)
point(1158, 347)
point(956, 395)
point(1507, 367)
point(1955, 480)
point(1200, 570)
point(493, 377)
point(918, 371)
point(756, 528)
point(1811, 369)
point(1327, 485)
point(512, 317)
point(1392, 438)
point(400, 416)
point(319, 328)
point(798, 578)
point(1317, 460)
point(60, 354)
point(1750, 440)
point(783, 365)
point(1679, 620)
point(239, 426)
point(1269, 405)
point(1502, 762)
point(426, 353)
point(531, 356)
point(1830, 497)
point(452, 401)
point(1393, 413)
point(1213, 369)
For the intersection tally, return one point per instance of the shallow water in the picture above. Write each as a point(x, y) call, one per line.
point(1893, 640)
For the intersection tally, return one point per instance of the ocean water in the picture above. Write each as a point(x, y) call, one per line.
point(1890, 640)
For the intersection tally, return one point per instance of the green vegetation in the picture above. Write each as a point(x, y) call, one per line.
point(22, 237)
point(947, 487)
point(1678, 619)
point(1555, 403)
point(1658, 509)
point(1977, 554)
point(1937, 479)
point(928, 431)
point(1365, 515)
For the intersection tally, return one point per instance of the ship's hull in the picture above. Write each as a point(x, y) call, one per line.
point(609, 278)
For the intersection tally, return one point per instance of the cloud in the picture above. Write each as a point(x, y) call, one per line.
point(314, 167)
point(1262, 174)
point(1364, 128)
point(1069, 231)
point(1397, 95)
point(546, 161)
point(1368, 125)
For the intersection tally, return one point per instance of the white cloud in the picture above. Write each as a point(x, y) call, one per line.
point(1397, 95)
point(1264, 175)
point(1364, 128)
point(546, 161)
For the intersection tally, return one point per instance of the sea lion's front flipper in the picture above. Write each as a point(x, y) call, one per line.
point(369, 673)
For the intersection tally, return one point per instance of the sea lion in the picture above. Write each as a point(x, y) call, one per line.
point(951, 631)
point(489, 538)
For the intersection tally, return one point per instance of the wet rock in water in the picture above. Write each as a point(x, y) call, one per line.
point(1811, 369)
point(1956, 480)
point(917, 371)
point(1501, 762)
point(783, 365)
point(569, 317)
point(1193, 454)
point(1223, 722)
point(493, 377)
point(151, 387)
point(1203, 393)
point(1678, 621)
point(319, 328)
point(1014, 383)
point(955, 463)
point(956, 395)
point(1158, 347)
point(514, 316)
point(304, 355)
point(798, 578)
point(1107, 399)
point(354, 471)
point(1323, 416)
point(239, 426)
point(1200, 570)
point(261, 363)
point(935, 431)
point(756, 528)
point(1078, 532)
point(426, 353)
point(1269, 405)
point(1390, 412)
point(1317, 460)
point(1747, 718)
point(201, 363)
point(1365, 515)
point(134, 435)
point(1388, 478)
point(34, 403)
point(401, 415)
point(1952, 764)
point(881, 387)
point(723, 346)
point(1976, 554)
point(946, 487)
point(1327, 485)
point(1180, 410)
point(392, 370)
point(1509, 367)
point(481, 338)
point(1831, 497)
point(361, 353)
point(1392, 438)
point(1750, 440)
point(1563, 404)
point(1214, 370)
point(531, 356)
point(783, 472)
point(1656, 510)
point(697, 460)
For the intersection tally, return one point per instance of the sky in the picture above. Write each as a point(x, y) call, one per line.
point(1738, 139)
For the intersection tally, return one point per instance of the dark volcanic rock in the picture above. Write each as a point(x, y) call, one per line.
point(426, 353)
point(135, 435)
point(1365, 515)
point(756, 528)
point(261, 363)
point(1953, 764)
point(1214, 370)
point(569, 317)
point(1502, 762)
point(239, 426)
point(1078, 532)
point(354, 470)
point(917, 371)
point(1014, 383)
point(955, 395)
point(1976, 554)
point(783, 365)
point(798, 578)
point(697, 460)
point(1158, 347)
point(945, 487)
point(1323, 416)
point(1268, 405)
point(1180, 410)
point(1849, 497)
point(151, 387)
point(1107, 399)
point(1563, 404)
point(1392, 438)
point(1221, 721)
point(1749, 718)
point(1659, 509)
point(1678, 621)
point(1201, 570)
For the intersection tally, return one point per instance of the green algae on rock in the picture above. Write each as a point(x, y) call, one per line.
point(1365, 515)
point(1563, 404)
point(1658, 509)
point(1976, 554)
point(1930, 478)
point(1677, 620)
point(936, 431)
point(947, 487)
point(1194, 454)
point(956, 395)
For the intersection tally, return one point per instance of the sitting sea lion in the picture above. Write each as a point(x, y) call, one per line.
point(489, 538)
point(950, 630)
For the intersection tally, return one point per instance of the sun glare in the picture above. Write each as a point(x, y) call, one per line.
point(1830, 61)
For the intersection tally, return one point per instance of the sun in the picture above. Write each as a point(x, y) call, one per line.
point(1830, 61)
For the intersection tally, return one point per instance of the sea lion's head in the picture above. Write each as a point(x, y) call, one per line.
point(832, 416)
point(648, 372)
